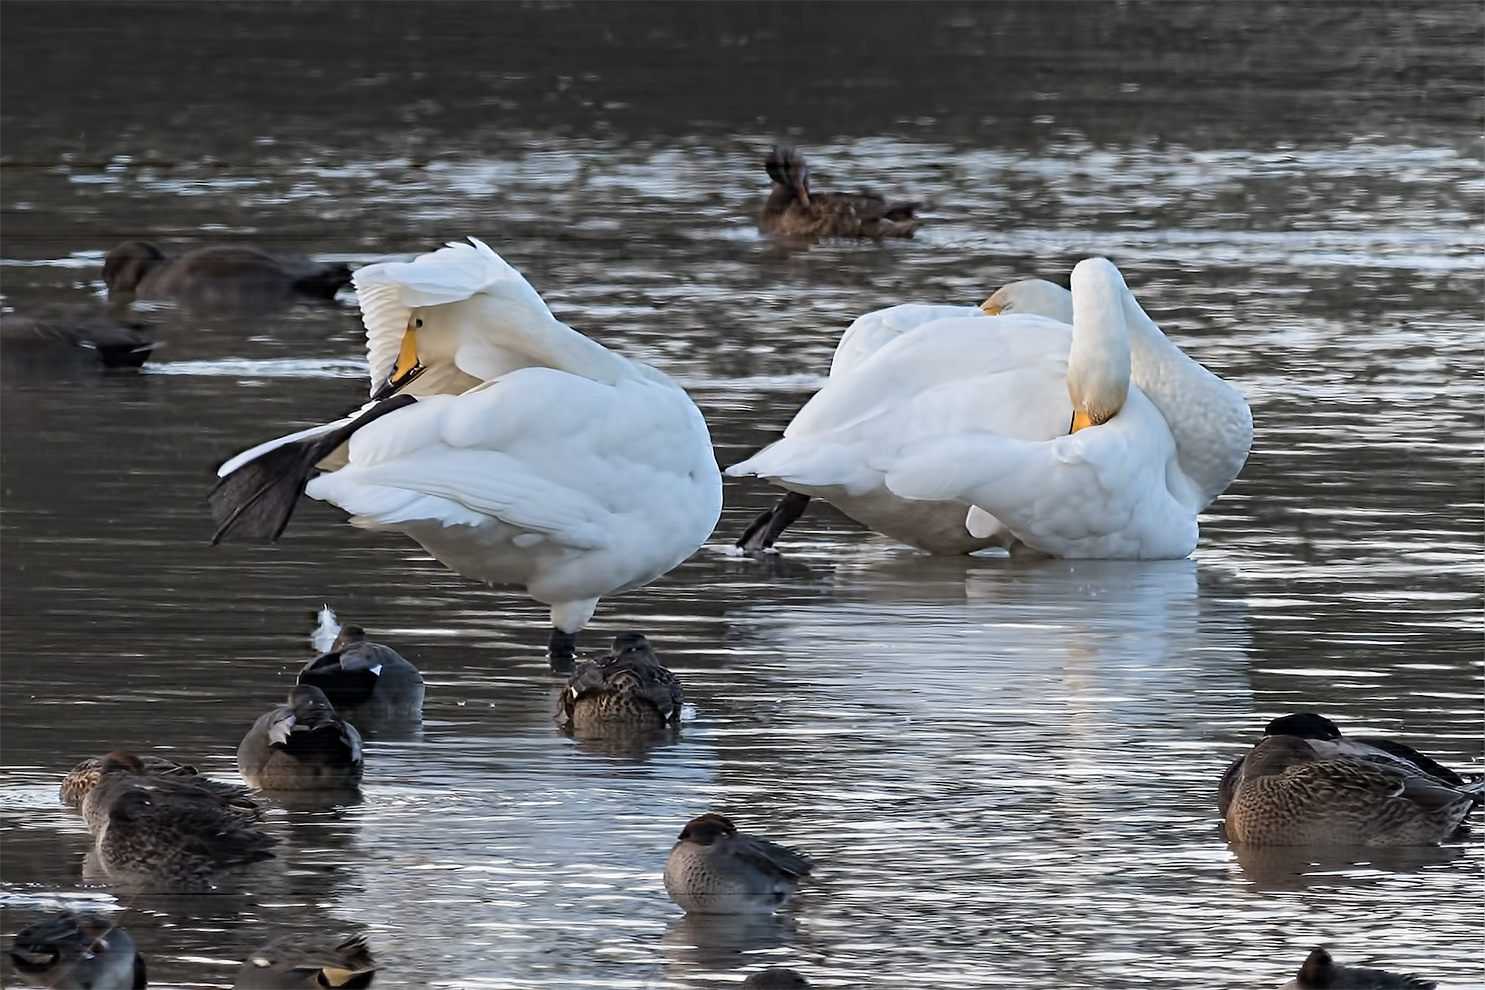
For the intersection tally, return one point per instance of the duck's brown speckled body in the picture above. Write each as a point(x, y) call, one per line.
point(1287, 795)
point(791, 210)
point(629, 688)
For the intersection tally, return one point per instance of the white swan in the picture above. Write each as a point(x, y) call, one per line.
point(513, 448)
point(1008, 376)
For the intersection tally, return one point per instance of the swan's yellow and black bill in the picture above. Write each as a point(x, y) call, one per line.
point(1081, 421)
point(407, 366)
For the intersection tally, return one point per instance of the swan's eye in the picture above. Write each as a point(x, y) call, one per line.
point(418, 322)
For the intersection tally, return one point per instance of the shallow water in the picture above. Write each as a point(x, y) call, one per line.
point(1005, 768)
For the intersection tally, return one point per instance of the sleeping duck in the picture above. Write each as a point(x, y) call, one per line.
point(791, 210)
point(365, 680)
point(221, 278)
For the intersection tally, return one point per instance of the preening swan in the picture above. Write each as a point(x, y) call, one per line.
point(513, 448)
point(943, 407)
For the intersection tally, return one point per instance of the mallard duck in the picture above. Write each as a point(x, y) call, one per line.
point(301, 745)
point(715, 869)
point(229, 277)
point(1022, 432)
point(629, 688)
point(62, 341)
point(362, 679)
point(310, 961)
point(793, 211)
point(1326, 740)
point(95, 785)
point(1287, 795)
point(86, 775)
point(153, 829)
point(775, 978)
point(513, 448)
point(1320, 972)
point(78, 950)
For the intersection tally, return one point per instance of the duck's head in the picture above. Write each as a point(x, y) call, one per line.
point(1303, 725)
point(1275, 754)
point(706, 829)
point(306, 698)
point(120, 761)
point(1318, 969)
point(785, 166)
point(632, 643)
point(1035, 296)
point(126, 266)
point(349, 633)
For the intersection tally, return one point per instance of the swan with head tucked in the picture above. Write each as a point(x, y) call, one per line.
point(513, 448)
point(959, 381)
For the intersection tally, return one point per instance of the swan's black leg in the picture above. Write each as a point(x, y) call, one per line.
point(562, 651)
point(769, 525)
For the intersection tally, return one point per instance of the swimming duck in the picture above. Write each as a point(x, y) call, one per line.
point(365, 680)
point(220, 278)
point(62, 341)
point(1287, 795)
point(302, 744)
point(966, 433)
point(308, 961)
point(715, 869)
point(513, 448)
point(78, 950)
point(86, 775)
point(775, 978)
point(1321, 972)
point(1326, 740)
point(793, 211)
point(628, 688)
point(166, 836)
point(95, 784)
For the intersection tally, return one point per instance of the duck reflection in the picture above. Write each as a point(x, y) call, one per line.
point(705, 943)
point(1270, 868)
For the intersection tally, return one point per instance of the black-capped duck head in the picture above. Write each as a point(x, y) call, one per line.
point(785, 166)
point(706, 829)
point(1303, 725)
point(349, 634)
point(126, 266)
point(632, 643)
point(1275, 754)
point(306, 698)
point(120, 761)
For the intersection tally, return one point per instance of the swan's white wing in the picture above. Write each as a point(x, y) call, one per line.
point(870, 332)
point(389, 291)
point(554, 455)
point(1106, 491)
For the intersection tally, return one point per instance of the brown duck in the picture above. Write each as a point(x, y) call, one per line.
point(57, 340)
point(715, 869)
point(628, 689)
point(94, 785)
point(220, 278)
point(308, 961)
point(792, 210)
point(78, 949)
point(1288, 795)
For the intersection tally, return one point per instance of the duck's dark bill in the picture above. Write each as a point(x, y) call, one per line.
point(255, 501)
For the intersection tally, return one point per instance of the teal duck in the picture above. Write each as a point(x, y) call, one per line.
point(78, 950)
point(220, 278)
point(82, 779)
point(168, 831)
point(301, 745)
point(1326, 740)
point(54, 341)
point(715, 869)
point(793, 211)
point(775, 978)
point(308, 961)
point(1287, 795)
point(363, 679)
point(629, 688)
point(1321, 972)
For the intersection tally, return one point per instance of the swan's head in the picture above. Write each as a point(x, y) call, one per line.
point(1036, 296)
point(785, 166)
point(1098, 364)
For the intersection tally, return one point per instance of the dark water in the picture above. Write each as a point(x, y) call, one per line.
point(1005, 767)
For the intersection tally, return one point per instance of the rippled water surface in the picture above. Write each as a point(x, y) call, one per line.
point(1005, 768)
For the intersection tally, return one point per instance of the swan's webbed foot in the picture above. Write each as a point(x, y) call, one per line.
point(562, 651)
point(771, 523)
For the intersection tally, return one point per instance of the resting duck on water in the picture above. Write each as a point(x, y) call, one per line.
point(793, 211)
point(514, 449)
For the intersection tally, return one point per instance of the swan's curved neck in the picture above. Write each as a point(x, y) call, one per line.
point(1210, 421)
point(1098, 364)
